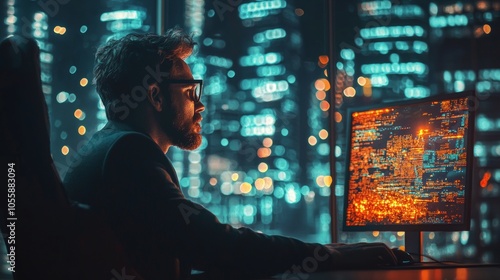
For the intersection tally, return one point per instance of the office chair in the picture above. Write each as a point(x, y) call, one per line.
point(55, 238)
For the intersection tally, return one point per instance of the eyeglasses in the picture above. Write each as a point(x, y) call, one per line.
point(195, 92)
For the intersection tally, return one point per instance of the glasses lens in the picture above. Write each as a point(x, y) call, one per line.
point(197, 92)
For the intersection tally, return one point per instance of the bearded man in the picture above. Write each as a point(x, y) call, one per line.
point(152, 103)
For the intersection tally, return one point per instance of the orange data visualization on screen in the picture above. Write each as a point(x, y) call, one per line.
point(407, 164)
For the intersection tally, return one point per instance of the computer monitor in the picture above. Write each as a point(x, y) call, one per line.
point(409, 166)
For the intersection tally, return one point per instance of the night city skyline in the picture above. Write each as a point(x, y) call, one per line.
point(277, 95)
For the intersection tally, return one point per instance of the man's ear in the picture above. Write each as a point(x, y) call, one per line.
point(155, 97)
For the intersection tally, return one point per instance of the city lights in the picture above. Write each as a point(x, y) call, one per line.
point(60, 30)
point(262, 167)
point(267, 142)
point(324, 105)
point(321, 95)
point(245, 188)
point(312, 140)
point(448, 20)
point(260, 9)
point(64, 150)
point(392, 32)
point(84, 82)
point(122, 15)
point(323, 134)
point(349, 92)
point(82, 130)
point(271, 89)
point(79, 114)
point(322, 84)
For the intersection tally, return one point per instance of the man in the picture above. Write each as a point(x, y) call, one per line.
point(152, 103)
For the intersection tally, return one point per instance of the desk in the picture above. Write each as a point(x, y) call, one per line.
point(482, 272)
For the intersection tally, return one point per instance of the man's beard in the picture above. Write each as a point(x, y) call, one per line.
point(180, 132)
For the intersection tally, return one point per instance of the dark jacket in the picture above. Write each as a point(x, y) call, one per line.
point(127, 180)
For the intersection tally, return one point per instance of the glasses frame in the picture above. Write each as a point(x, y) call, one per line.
point(198, 87)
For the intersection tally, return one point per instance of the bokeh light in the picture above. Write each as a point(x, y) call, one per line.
point(262, 167)
point(361, 81)
point(234, 177)
point(78, 114)
point(312, 140)
point(324, 105)
point(267, 142)
point(213, 181)
point(323, 59)
point(322, 84)
point(263, 152)
point(327, 180)
point(338, 117)
point(245, 187)
point(320, 95)
point(84, 82)
point(487, 28)
point(349, 92)
point(60, 30)
point(259, 184)
point(323, 134)
point(82, 130)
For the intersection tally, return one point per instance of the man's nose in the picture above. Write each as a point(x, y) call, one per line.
point(199, 107)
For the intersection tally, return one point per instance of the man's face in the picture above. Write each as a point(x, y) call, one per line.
point(180, 117)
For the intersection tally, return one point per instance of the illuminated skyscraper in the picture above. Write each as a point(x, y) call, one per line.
point(9, 18)
point(251, 173)
point(393, 49)
point(464, 40)
point(319, 180)
point(472, 27)
point(267, 67)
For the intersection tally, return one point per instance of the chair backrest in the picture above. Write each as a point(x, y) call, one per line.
point(25, 120)
point(55, 238)
point(39, 197)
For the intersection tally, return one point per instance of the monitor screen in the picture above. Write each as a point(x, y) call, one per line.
point(409, 165)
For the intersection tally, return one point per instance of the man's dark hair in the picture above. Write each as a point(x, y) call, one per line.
point(122, 64)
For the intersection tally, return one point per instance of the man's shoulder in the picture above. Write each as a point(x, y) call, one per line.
point(108, 139)
point(110, 145)
point(108, 153)
point(132, 143)
point(129, 150)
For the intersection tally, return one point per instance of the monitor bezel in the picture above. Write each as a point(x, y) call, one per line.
point(469, 159)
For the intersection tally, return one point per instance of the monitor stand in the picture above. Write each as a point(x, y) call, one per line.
point(413, 244)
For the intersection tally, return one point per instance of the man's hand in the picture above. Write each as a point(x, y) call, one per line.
point(361, 255)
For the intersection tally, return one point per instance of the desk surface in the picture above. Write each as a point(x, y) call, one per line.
point(482, 272)
point(432, 272)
